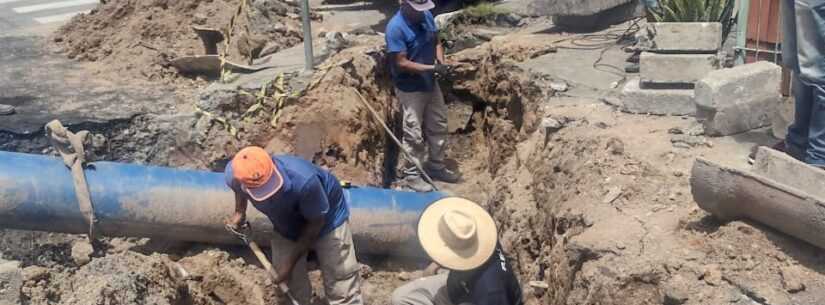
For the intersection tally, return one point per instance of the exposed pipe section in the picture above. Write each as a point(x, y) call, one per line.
point(36, 193)
point(732, 194)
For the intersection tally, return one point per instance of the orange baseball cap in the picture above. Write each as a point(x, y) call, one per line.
point(258, 175)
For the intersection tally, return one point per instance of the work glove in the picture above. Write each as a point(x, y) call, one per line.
point(442, 71)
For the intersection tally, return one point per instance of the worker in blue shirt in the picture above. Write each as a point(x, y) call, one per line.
point(308, 211)
point(461, 236)
point(416, 57)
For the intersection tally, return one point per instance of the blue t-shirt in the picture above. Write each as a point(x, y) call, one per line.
point(493, 283)
point(308, 193)
point(418, 41)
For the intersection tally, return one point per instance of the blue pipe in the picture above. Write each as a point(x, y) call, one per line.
point(37, 193)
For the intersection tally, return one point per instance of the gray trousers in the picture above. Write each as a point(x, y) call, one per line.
point(425, 126)
point(340, 269)
point(431, 290)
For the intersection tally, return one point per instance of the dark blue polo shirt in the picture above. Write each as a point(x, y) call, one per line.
point(494, 283)
point(308, 193)
point(418, 40)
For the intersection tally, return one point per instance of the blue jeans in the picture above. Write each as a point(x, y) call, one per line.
point(803, 52)
point(651, 3)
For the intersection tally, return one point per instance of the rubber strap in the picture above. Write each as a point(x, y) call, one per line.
point(71, 148)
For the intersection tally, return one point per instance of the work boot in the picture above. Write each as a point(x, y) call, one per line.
point(6, 109)
point(416, 183)
point(444, 174)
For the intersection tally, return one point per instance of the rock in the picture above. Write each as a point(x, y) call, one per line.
point(442, 21)
point(712, 275)
point(612, 195)
point(634, 99)
point(675, 68)
point(685, 36)
point(674, 294)
point(792, 279)
point(82, 252)
point(735, 100)
point(551, 125)
point(539, 287)
point(11, 280)
point(35, 273)
point(615, 146)
point(687, 141)
point(539, 284)
point(559, 86)
point(404, 276)
point(510, 19)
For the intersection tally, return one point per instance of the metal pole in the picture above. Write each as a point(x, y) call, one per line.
point(742, 33)
point(308, 58)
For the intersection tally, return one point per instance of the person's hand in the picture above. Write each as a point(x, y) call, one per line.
point(236, 221)
point(432, 269)
point(442, 70)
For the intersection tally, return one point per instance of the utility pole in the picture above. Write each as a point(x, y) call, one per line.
point(308, 57)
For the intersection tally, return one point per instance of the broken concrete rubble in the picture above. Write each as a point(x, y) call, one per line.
point(739, 99)
point(783, 168)
point(723, 191)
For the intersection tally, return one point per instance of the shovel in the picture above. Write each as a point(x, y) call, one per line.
point(243, 236)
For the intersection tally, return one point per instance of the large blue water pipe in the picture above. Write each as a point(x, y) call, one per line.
point(37, 193)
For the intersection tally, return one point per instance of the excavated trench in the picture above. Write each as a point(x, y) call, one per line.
point(518, 171)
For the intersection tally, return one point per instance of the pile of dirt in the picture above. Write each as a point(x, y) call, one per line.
point(135, 39)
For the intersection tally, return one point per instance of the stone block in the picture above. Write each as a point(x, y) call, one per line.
point(634, 99)
point(738, 99)
point(658, 68)
point(574, 7)
point(784, 169)
point(694, 37)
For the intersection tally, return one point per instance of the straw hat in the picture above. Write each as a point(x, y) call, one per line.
point(457, 233)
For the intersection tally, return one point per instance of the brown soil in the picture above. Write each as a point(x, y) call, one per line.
point(135, 40)
point(599, 208)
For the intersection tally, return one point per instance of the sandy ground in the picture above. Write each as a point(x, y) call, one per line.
point(591, 201)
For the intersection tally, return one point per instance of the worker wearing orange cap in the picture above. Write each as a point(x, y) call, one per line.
point(308, 211)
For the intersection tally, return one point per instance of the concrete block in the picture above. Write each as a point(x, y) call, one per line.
point(676, 68)
point(784, 169)
point(739, 99)
point(685, 36)
point(11, 280)
point(634, 99)
point(574, 7)
point(607, 17)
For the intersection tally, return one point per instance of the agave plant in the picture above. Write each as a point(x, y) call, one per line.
point(695, 11)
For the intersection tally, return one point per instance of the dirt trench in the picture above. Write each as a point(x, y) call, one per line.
point(585, 201)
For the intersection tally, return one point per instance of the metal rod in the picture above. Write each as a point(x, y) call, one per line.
point(308, 57)
point(758, 30)
point(753, 50)
point(742, 35)
point(407, 154)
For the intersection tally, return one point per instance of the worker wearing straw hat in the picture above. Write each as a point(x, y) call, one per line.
point(461, 237)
